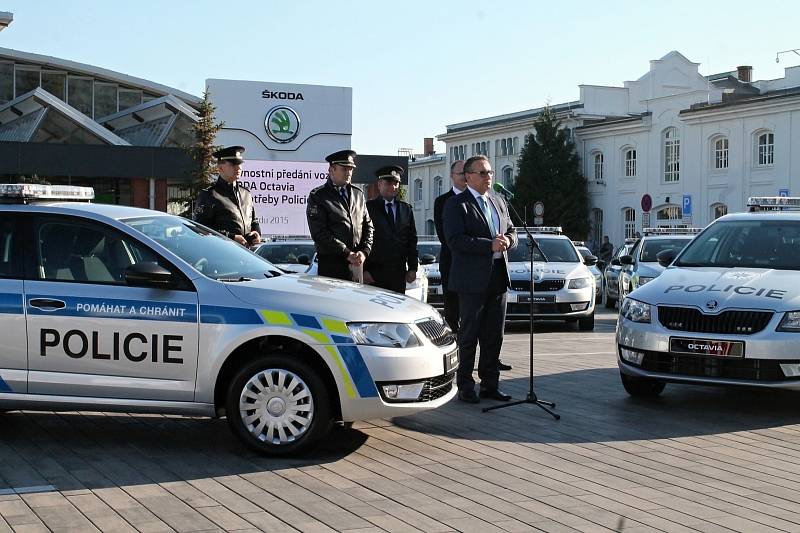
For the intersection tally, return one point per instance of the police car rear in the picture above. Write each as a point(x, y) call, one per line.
point(727, 310)
point(564, 288)
point(641, 265)
point(429, 251)
point(113, 308)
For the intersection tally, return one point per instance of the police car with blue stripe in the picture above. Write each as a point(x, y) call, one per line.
point(726, 310)
point(116, 308)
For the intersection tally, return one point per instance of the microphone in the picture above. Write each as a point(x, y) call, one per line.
point(498, 188)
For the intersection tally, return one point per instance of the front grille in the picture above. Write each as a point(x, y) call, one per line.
point(546, 285)
point(434, 281)
point(727, 322)
point(521, 285)
point(715, 367)
point(435, 388)
point(436, 332)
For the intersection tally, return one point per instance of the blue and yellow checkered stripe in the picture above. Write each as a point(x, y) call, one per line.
point(336, 337)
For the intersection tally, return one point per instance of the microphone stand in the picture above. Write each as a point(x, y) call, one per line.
point(531, 397)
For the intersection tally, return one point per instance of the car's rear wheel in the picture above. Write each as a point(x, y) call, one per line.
point(641, 387)
point(611, 303)
point(278, 406)
point(586, 323)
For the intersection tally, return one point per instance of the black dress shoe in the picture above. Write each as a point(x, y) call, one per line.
point(502, 366)
point(495, 394)
point(468, 396)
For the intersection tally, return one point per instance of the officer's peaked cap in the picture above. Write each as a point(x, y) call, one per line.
point(345, 158)
point(232, 154)
point(389, 173)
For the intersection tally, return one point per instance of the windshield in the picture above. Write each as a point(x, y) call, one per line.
point(651, 248)
point(585, 253)
point(554, 251)
point(207, 251)
point(287, 253)
point(746, 244)
point(432, 248)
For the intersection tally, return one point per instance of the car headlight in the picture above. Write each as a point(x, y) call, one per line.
point(635, 311)
point(384, 334)
point(641, 280)
point(790, 322)
point(579, 283)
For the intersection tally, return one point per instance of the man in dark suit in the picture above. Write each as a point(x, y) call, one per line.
point(445, 257)
point(339, 221)
point(479, 231)
point(393, 259)
point(226, 206)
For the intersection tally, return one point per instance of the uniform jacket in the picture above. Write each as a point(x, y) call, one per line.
point(470, 240)
point(395, 246)
point(336, 229)
point(219, 208)
point(445, 256)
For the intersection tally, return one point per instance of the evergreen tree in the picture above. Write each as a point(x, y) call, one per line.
point(549, 171)
point(205, 132)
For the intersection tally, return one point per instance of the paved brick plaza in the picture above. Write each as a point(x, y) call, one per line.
point(696, 459)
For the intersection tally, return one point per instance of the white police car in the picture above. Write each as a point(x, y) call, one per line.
point(641, 265)
point(293, 255)
point(429, 251)
point(564, 288)
point(115, 308)
point(726, 311)
point(586, 253)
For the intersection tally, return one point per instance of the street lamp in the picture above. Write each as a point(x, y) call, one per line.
point(794, 50)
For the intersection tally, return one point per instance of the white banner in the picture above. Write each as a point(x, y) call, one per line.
point(280, 192)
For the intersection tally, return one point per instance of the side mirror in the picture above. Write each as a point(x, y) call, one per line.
point(148, 274)
point(626, 260)
point(427, 259)
point(665, 257)
point(303, 259)
point(615, 262)
point(590, 260)
point(601, 265)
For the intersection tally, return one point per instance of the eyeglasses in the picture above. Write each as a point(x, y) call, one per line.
point(483, 173)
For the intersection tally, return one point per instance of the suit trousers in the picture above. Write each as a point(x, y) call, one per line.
point(334, 267)
point(389, 277)
point(483, 317)
point(451, 314)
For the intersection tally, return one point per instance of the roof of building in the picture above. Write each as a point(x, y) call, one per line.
point(511, 117)
point(745, 100)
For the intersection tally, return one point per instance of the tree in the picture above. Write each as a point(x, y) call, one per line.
point(549, 171)
point(205, 133)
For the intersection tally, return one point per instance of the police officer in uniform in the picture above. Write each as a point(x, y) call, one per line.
point(393, 260)
point(226, 206)
point(339, 221)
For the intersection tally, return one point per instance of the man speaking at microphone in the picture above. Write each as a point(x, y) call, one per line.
point(479, 232)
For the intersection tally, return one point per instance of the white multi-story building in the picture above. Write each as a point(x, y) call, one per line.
point(680, 138)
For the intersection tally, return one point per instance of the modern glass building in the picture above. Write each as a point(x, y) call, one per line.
point(72, 123)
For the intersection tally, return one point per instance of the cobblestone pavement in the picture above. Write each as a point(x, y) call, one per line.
point(694, 459)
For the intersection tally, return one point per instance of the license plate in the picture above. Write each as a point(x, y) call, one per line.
point(706, 347)
point(450, 361)
point(541, 298)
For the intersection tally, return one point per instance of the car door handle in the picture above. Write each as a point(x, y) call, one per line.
point(46, 304)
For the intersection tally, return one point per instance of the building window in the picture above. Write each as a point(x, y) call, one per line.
point(80, 94)
point(503, 147)
point(516, 146)
point(508, 176)
point(6, 82)
point(418, 190)
point(55, 83)
point(105, 99)
point(718, 210)
point(598, 167)
point(721, 153)
point(669, 215)
point(630, 163)
point(629, 226)
point(766, 149)
point(430, 227)
point(129, 98)
point(437, 186)
point(596, 220)
point(26, 79)
point(672, 155)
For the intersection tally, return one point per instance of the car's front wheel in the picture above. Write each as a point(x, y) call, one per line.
point(641, 387)
point(278, 406)
point(586, 323)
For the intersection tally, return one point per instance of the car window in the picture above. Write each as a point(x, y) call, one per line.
point(434, 249)
point(554, 251)
point(746, 244)
point(286, 253)
point(85, 251)
point(651, 248)
point(9, 249)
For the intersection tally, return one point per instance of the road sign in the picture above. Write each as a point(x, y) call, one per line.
point(647, 203)
point(646, 219)
point(538, 209)
point(783, 192)
point(687, 205)
point(538, 221)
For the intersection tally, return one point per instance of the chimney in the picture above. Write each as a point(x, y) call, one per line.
point(428, 146)
point(744, 73)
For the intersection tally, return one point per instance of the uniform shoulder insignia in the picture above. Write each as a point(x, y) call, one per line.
point(315, 190)
point(356, 187)
point(208, 189)
point(313, 210)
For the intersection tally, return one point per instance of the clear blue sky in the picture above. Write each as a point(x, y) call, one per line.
point(415, 66)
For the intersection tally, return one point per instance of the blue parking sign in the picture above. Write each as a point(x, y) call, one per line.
point(687, 205)
point(783, 192)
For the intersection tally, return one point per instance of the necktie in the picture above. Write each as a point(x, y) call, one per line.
point(487, 212)
point(343, 193)
point(390, 213)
